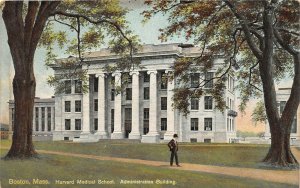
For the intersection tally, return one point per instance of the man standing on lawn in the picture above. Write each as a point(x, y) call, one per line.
point(173, 145)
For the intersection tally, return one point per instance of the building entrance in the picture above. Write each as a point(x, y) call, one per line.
point(128, 115)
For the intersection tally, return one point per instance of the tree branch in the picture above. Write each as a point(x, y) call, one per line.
point(249, 81)
point(256, 51)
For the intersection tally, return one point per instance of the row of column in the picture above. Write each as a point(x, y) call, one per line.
point(135, 130)
point(45, 119)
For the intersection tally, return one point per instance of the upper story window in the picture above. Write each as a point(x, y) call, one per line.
point(68, 88)
point(194, 103)
point(164, 81)
point(67, 106)
point(146, 93)
point(208, 80)
point(78, 86)
point(96, 82)
point(146, 77)
point(112, 95)
point(78, 106)
point(164, 103)
point(195, 80)
point(208, 105)
point(128, 93)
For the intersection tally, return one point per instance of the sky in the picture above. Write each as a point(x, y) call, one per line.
point(148, 34)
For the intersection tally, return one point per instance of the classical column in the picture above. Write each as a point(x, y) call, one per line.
point(101, 132)
point(52, 119)
point(153, 135)
point(86, 113)
point(46, 119)
point(117, 134)
point(170, 111)
point(40, 119)
point(135, 131)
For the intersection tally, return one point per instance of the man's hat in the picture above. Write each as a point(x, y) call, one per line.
point(175, 136)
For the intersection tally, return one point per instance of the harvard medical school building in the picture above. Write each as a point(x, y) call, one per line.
point(143, 111)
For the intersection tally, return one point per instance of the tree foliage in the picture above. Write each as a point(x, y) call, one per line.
point(214, 26)
point(261, 39)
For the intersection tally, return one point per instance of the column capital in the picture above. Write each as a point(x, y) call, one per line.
point(117, 73)
point(103, 75)
point(152, 72)
point(136, 72)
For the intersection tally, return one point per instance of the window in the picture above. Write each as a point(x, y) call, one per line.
point(282, 105)
point(128, 93)
point(194, 103)
point(207, 140)
point(146, 120)
point(195, 80)
point(163, 103)
point(208, 102)
point(67, 124)
point(193, 140)
point(146, 93)
point(67, 106)
point(112, 119)
point(208, 76)
point(127, 78)
point(163, 124)
point(207, 124)
point(78, 86)
point(77, 124)
point(112, 95)
point(96, 82)
point(164, 81)
point(194, 124)
point(95, 105)
point(96, 124)
point(36, 119)
point(49, 118)
point(77, 106)
point(43, 118)
point(68, 88)
point(146, 77)
point(294, 126)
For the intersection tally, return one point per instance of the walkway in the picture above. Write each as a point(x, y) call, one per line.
point(279, 176)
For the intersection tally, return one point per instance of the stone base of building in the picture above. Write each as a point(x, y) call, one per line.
point(117, 135)
point(169, 136)
point(101, 135)
point(134, 136)
point(150, 138)
point(86, 137)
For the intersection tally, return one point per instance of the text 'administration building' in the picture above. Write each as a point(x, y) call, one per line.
point(144, 110)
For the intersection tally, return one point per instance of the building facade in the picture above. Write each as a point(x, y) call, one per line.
point(282, 97)
point(143, 110)
point(43, 118)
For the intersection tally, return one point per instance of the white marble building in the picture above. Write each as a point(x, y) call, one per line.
point(144, 110)
point(282, 97)
point(43, 118)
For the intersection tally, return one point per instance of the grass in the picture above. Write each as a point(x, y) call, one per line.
point(237, 155)
point(54, 167)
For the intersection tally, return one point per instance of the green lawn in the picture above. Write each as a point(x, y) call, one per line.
point(54, 167)
point(238, 155)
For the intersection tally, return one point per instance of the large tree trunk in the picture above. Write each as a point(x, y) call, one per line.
point(24, 93)
point(23, 36)
point(280, 153)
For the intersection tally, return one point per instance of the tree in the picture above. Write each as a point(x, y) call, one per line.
point(260, 38)
point(30, 24)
